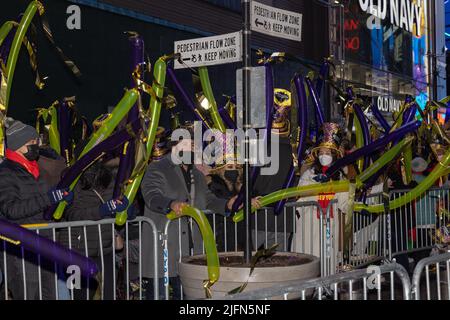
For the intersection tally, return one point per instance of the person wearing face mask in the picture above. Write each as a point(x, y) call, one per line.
point(225, 183)
point(24, 197)
point(307, 237)
point(170, 185)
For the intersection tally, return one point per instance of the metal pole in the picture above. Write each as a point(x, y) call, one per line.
point(246, 93)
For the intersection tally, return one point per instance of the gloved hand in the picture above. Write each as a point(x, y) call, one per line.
point(58, 195)
point(321, 178)
point(109, 208)
point(132, 212)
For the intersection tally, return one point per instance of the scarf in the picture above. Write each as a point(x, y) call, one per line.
point(324, 200)
point(31, 166)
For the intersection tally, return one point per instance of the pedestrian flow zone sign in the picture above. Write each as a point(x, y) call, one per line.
point(209, 51)
point(276, 22)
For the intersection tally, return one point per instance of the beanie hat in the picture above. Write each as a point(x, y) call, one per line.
point(18, 134)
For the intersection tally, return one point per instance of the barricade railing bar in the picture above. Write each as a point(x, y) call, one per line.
point(64, 232)
point(437, 266)
point(333, 285)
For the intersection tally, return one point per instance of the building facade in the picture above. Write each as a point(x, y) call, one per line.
point(386, 58)
point(389, 49)
point(100, 49)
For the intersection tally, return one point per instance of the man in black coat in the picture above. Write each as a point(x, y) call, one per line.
point(266, 185)
point(24, 197)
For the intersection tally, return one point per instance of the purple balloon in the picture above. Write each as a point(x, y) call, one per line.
point(84, 162)
point(324, 69)
point(410, 114)
point(365, 132)
point(316, 101)
point(302, 114)
point(51, 250)
point(350, 93)
point(373, 179)
point(126, 163)
point(184, 95)
point(373, 147)
point(381, 120)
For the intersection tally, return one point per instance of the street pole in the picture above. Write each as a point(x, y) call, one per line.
point(246, 93)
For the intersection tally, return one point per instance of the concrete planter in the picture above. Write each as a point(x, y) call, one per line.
point(192, 275)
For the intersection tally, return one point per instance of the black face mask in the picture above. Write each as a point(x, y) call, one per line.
point(32, 153)
point(231, 175)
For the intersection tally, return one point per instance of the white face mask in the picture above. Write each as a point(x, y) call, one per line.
point(325, 160)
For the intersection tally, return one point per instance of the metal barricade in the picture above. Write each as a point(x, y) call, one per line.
point(182, 238)
point(120, 271)
point(302, 227)
point(407, 229)
point(414, 224)
point(386, 282)
point(318, 233)
point(437, 275)
point(371, 236)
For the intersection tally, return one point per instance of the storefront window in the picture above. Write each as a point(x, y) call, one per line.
point(386, 49)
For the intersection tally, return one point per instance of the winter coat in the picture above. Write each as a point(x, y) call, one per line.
point(268, 184)
point(23, 199)
point(85, 207)
point(164, 182)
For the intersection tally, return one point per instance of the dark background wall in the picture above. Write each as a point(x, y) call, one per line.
point(101, 50)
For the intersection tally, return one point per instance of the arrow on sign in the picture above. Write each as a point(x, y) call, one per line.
point(258, 23)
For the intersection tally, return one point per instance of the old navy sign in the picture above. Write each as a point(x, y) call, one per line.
point(387, 104)
point(404, 14)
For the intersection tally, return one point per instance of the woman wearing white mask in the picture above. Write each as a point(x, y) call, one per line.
point(307, 235)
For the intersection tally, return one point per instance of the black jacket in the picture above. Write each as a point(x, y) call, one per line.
point(23, 199)
point(86, 207)
point(266, 185)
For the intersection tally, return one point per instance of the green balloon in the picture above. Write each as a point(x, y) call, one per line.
point(53, 131)
point(22, 29)
point(113, 120)
point(387, 157)
point(440, 170)
point(343, 186)
point(5, 30)
point(212, 258)
point(131, 190)
point(303, 191)
point(209, 94)
point(359, 142)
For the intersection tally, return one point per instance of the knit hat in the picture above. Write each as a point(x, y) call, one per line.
point(18, 134)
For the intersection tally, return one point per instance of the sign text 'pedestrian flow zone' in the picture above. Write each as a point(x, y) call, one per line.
point(276, 22)
point(209, 51)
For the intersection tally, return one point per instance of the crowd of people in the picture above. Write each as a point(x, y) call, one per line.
point(31, 170)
